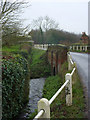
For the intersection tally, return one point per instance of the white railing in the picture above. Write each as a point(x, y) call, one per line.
point(71, 63)
point(45, 46)
point(41, 46)
point(44, 104)
point(79, 47)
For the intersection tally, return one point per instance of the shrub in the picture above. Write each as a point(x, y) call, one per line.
point(15, 85)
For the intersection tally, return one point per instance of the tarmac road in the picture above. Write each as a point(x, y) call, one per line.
point(83, 66)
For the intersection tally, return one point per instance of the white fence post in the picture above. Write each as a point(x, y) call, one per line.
point(85, 48)
point(80, 48)
point(68, 89)
point(73, 47)
point(43, 104)
point(77, 47)
point(69, 63)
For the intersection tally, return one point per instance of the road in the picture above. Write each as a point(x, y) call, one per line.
point(83, 64)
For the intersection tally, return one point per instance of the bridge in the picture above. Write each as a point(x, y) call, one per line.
point(56, 54)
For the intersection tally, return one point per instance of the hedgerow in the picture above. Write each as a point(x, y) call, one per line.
point(15, 81)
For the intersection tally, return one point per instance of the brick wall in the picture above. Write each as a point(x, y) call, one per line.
point(57, 55)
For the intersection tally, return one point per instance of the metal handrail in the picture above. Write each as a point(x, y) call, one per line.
point(70, 58)
point(71, 61)
point(57, 93)
point(39, 114)
point(73, 71)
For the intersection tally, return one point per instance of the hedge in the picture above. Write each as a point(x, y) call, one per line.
point(15, 81)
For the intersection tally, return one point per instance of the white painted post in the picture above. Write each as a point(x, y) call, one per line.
point(85, 48)
point(43, 104)
point(80, 48)
point(70, 47)
point(77, 47)
point(69, 63)
point(38, 45)
point(42, 46)
point(73, 47)
point(68, 89)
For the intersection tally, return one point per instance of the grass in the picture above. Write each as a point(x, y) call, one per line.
point(36, 54)
point(58, 107)
point(11, 48)
point(52, 84)
point(39, 64)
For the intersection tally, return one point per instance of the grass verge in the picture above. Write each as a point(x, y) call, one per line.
point(58, 108)
point(11, 49)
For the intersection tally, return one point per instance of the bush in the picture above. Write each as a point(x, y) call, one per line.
point(23, 53)
point(15, 85)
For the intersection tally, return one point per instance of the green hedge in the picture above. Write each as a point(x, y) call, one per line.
point(15, 81)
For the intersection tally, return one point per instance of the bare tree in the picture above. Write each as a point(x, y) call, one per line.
point(10, 17)
point(49, 24)
point(45, 23)
point(10, 11)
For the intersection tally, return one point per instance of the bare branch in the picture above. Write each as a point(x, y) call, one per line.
point(45, 23)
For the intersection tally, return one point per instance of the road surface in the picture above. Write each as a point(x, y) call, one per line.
point(83, 64)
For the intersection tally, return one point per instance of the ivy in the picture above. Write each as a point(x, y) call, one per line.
point(14, 80)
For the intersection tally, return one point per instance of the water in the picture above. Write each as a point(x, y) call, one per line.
point(35, 94)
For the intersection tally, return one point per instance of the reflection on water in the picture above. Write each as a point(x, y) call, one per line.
point(35, 94)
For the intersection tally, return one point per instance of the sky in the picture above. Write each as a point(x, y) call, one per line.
point(72, 15)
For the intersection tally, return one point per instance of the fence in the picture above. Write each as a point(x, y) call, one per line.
point(44, 104)
point(80, 47)
point(45, 46)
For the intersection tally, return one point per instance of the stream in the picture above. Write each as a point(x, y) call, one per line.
point(35, 94)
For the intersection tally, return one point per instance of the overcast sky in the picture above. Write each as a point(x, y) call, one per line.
point(72, 15)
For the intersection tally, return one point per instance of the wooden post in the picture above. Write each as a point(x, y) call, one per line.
point(43, 104)
point(68, 89)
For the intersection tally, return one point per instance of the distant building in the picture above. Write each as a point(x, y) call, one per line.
point(84, 38)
